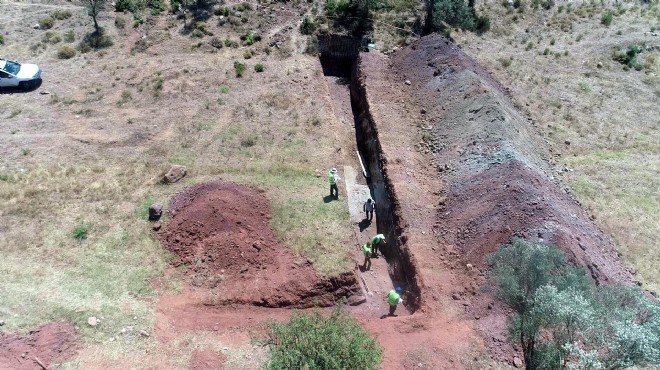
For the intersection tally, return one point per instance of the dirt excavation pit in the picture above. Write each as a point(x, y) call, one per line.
point(221, 233)
point(50, 344)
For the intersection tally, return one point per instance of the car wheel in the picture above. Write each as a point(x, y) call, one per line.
point(26, 85)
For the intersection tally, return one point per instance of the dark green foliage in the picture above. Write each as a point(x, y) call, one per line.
point(443, 14)
point(628, 57)
point(560, 316)
point(95, 41)
point(308, 26)
point(259, 67)
point(157, 5)
point(607, 19)
point(239, 68)
point(80, 232)
point(132, 6)
point(70, 36)
point(351, 16)
point(2, 40)
point(315, 342)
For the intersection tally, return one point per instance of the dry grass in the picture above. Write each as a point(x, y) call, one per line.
point(92, 152)
point(576, 93)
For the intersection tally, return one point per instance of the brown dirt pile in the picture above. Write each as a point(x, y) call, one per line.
point(221, 232)
point(493, 162)
point(51, 343)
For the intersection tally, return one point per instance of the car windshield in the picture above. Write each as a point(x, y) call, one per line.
point(12, 67)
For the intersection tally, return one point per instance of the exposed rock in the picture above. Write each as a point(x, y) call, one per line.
point(144, 333)
point(517, 362)
point(155, 211)
point(356, 300)
point(423, 111)
point(93, 321)
point(175, 174)
point(408, 82)
point(455, 297)
point(2, 322)
point(156, 226)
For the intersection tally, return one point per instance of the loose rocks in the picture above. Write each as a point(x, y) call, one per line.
point(155, 211)
point(175, 174)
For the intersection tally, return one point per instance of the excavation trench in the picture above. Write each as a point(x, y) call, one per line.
point(339, 56)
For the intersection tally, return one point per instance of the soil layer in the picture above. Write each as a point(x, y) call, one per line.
point(221, 233)
point(49, 344)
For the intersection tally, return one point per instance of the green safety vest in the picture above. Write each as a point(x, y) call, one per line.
point(377, 239)
point(367, 249)
point(331, 177)
point(393, 298)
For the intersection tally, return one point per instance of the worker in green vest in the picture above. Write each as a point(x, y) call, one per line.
point(377, 242)
point(333, 178)
point(366, 249)
point(394, 298)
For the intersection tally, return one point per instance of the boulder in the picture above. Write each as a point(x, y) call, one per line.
point(517, 362)
point(155, 211)
point(175, 174)
point(356, 300)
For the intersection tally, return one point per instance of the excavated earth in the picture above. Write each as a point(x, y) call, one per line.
point(466, 173)
point(49, 344)
point(221, 233)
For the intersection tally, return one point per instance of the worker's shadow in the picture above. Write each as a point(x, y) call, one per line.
point(388, 315)
point(329, 198)
point(364, 224)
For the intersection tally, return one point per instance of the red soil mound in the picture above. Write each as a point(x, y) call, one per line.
point(222, 233)
point(202, 360)
point(50, 344)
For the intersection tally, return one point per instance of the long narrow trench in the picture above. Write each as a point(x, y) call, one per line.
point(338, 56)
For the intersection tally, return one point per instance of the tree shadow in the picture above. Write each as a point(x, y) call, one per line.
point(364, 224)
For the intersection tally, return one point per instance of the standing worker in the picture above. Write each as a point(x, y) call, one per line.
point(333, 178)
point(394, 298)
point(367, 256)
point(369, 208)
point(377, 242)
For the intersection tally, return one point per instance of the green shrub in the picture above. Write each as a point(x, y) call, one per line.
point(66, 52)
point(51, 37)
point(131, 6)
point(2, 40)
point(175, 6)
point(157, 5)
point(202, 26)
point(607, 19)
point(46, 23)
point(628, 57)
point(455, 13)
point(315, 342)
point(80, 232)
point(560, 316)
point(61, 14)
point(224, 90)
point(239, 68)
point(259, 67)
point(70, 36)
point(216, 42)
point(308, 26)
point(506, 62)
point(249, 141)
point(482, 24)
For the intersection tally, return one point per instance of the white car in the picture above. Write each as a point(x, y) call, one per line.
point(12, 74)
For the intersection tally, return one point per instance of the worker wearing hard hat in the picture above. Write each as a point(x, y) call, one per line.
point(377, 242)
point(333, 177)
point(394, 298)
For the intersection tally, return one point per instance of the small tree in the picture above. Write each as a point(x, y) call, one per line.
point(315, 342)
point(563, 321)
point(94, 7)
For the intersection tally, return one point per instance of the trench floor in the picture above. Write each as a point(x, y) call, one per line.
point(376, 281)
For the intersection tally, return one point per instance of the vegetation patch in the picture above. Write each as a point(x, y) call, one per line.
point(66, 52)
point(315, 342)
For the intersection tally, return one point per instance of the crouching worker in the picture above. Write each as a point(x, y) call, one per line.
point(377, 242)
point(366, 249)
point(394, 298)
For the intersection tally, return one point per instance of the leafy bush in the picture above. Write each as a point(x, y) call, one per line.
point(132, 6)
point(61, 14)
point(607, 19)
point(455, 13)
point(308, 26)
point(70, 36)
point(560, 316)
point(157, 5)
point(315, 342)
point(202, 26)
point(46, 23)
point(628, 57)
point(80, 232)
point(216, 42)
point(175, 6)
point(66, 52)
point(51, 37)
point(259, 67)
point(239, 68)
point(482, 24)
